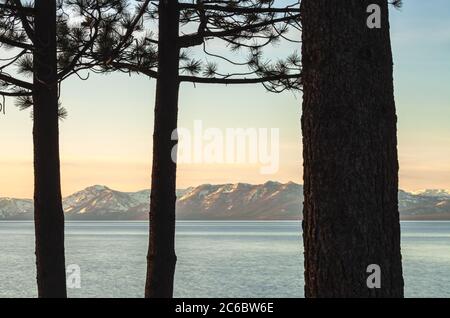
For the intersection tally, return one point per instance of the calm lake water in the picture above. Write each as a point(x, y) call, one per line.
point(215, 259)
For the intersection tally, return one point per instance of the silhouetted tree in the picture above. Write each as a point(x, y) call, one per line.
point(351, 217)
point(180, 53)
point(33, 31)
point(46, 44)
point(239, 25)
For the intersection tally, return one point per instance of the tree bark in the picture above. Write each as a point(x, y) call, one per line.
point(48, 211)
point(161, 258)
point(351, 217)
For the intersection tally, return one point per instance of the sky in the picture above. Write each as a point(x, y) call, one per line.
point(106, 138)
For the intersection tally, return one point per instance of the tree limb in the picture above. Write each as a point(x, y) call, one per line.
point(14, 81)
point(135, 68)
point(230, 81)
point(15, 94)
point(21, 45)
point(197, 39)
point(130, 30)
point(24, 10)
point(24, 20)
point(238, 9)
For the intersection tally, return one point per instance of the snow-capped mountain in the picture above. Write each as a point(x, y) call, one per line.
point(271, 200)
point(101, 202)
point(433, 193)
point(241, 201)
point(425, 204)
point(17, 209)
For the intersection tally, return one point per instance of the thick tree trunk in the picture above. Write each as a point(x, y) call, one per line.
point(161, 258)
point(48, 211)
point(351, 217)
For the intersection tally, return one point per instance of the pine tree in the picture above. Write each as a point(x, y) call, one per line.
point(177, 56)
point(36, 39)
point(351, 217)
point(45, 44)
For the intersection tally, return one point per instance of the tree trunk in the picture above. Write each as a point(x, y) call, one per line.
point(351, 217)
point(161, 258)
point(48, 211)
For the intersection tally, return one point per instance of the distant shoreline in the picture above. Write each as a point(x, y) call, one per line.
point(270, 201)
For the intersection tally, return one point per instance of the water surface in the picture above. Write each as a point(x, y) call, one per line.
point(215, 259)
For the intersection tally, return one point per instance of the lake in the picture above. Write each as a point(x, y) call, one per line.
point(215, 259)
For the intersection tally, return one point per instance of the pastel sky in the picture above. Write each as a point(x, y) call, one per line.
point(106, 138)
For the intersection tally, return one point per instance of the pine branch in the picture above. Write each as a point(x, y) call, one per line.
point(81, 53)
point(24, 20)
point(197, 39)
point(135, 68)
point(237, 10)
point(14, 81)
point(24, 10)
point(231, 81)
point(131, 28)
point(15, 94)
point(18, 44)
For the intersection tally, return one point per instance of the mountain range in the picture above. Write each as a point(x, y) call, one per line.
point(241, 201)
